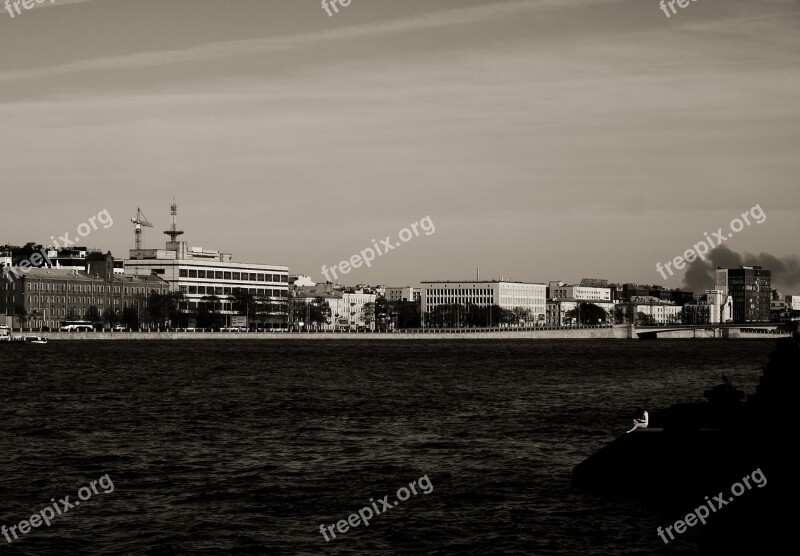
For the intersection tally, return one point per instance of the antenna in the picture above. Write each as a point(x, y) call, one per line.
point(173, 232)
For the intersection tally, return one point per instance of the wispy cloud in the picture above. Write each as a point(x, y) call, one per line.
point(230, 49)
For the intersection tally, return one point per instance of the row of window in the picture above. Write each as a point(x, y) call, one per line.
point(81, 288)
point(35, 299)
point(217, 290)
point(477, 291)
point(241, 276)
point(449, 300)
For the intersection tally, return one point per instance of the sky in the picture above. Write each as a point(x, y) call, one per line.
point(545, 139)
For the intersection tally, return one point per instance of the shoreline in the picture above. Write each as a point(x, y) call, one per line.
point(617, 332)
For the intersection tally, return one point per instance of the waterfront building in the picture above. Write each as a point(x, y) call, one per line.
point(560, 290)
point(558, 308)
point(403, 293)
point(751, 290)
point(506, 294)
point(46, 297)
point(347, 307)
point(207, 276)
point(793, 301)
point(648, 308)
point(711, 308)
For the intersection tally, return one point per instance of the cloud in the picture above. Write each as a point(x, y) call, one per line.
point(785, 270)
point(236, 48)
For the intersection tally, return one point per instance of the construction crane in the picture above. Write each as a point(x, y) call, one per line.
point(140, 221)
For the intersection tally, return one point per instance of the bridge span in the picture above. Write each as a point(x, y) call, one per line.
point(727, 330)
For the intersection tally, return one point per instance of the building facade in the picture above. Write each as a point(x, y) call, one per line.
point(711, 308)
point(407, 293)
point(507, 295)
point(750, 287)
point(47, 297)
point(347, 307)
point(560, 290)
point(203, 274)
point(557, 310)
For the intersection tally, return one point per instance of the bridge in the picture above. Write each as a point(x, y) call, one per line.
point(726, 330)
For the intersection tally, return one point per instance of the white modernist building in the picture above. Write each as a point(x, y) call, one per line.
point(508, 295)
point(201, 273)
point(560, 290)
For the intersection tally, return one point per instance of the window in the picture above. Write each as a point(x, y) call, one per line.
point(201, 273)
point(192, 274)
point(218, 275)
point(227, 276)
point(192, 289)
point(253, 277)
point(183, 273)
point(236, 276)
point(260, 277)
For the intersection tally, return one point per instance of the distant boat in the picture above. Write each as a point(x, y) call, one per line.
point(24, 339)
point(35, 340)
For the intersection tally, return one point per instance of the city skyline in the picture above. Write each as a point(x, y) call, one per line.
point(287, 138)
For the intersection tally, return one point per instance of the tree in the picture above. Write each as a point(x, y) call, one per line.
point(645, 320)
point(22, 315)
point(623, 314)
point(110, 316)
point(177, 309)
point(383, 313)
point(320, 311)
point(369, 313)
point(408, 314)
point(523, 316)
point(212, 316)
point(244, 303)
point(93, 315)
point(130, 318)
point(588, 313)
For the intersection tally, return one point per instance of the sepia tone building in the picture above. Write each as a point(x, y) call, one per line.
point(47, 297)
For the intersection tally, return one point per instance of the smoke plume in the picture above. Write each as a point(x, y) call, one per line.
point(785, 271)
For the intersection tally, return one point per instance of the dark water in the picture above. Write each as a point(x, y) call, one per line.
point(247, 447)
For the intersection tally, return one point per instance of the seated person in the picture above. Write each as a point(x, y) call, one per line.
point(641, 420)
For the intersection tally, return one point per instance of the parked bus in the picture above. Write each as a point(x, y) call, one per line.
point(77, 326)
